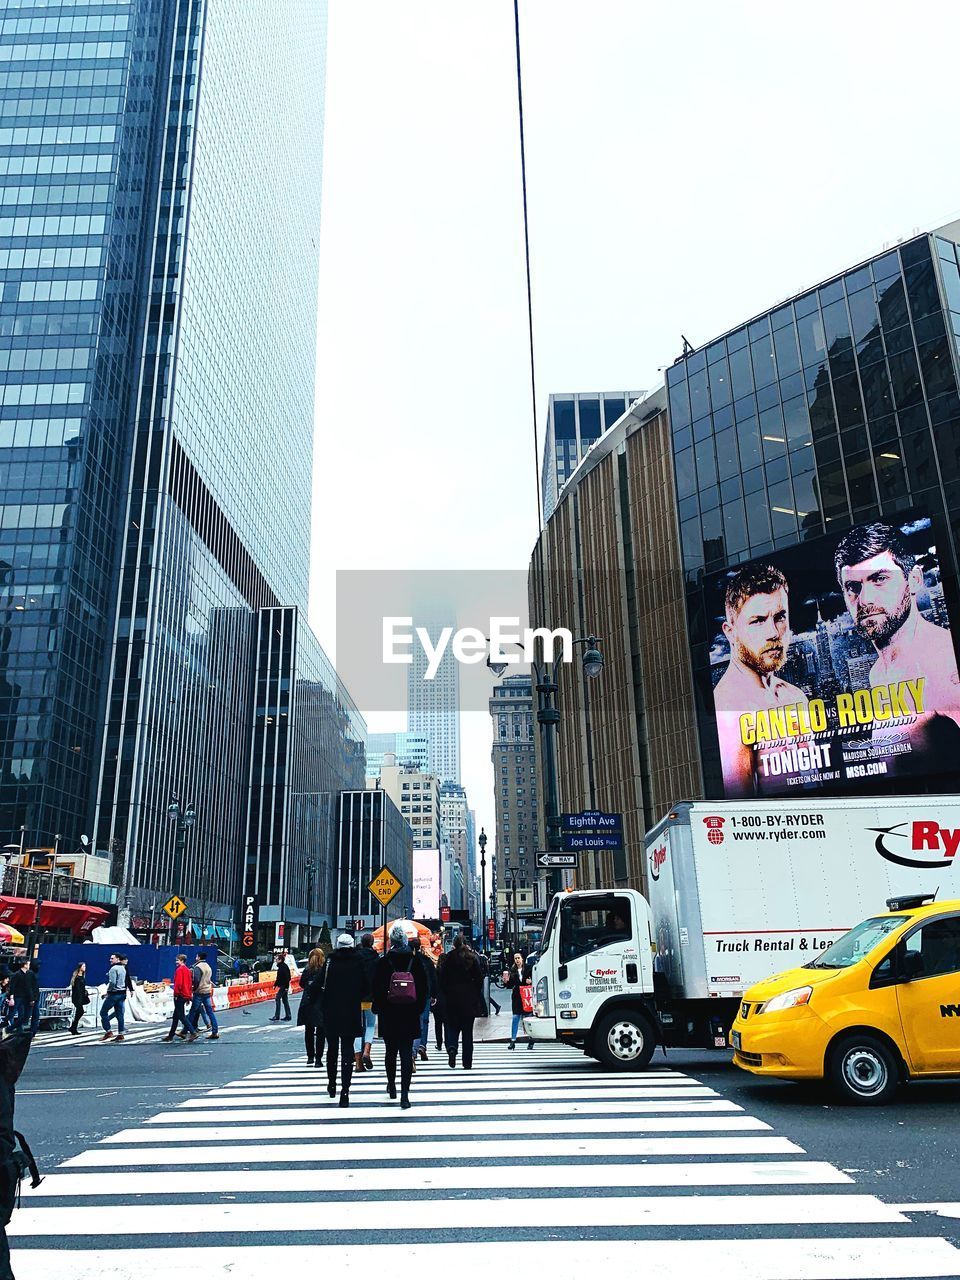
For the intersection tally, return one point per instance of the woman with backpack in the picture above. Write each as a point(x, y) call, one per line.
point(78, 996)
point(400, 988)
point(310, 1013)
point(461, 981)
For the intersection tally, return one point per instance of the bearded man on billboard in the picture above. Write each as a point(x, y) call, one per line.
point(880, 579)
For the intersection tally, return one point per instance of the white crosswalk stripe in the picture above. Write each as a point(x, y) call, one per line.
point(530, 1160)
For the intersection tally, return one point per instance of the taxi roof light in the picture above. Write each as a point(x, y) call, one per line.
point(910, 901)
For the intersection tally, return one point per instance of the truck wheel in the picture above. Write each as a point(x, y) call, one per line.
point(864, 1071)
point(624, 1041)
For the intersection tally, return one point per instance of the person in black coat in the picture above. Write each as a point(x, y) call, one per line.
point(310, 1013)
point(461, 980)
point(514, 978)
point(78, 996)
point(13, 1057)
point(399, 1023)
point(281, 986)
point(344, 990)
point(363, 1043)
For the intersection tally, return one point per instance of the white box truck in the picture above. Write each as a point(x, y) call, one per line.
point(737, 891)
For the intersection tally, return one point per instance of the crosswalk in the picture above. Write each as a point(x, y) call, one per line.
point(527, 1161)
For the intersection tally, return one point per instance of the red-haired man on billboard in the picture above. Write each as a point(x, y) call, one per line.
point(757, 628)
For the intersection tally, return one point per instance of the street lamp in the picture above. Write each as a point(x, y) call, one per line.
point(511, 874)
point(184, 819)
point(311, 867)
point(482, 842)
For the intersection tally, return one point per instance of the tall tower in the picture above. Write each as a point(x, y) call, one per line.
point(156, 430)
point(433, 706)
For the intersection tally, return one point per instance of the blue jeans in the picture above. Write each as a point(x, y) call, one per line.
point(515, 1025)
point(114, 1002)
point(369, 1023)
point(22, 1014)
point(424, 1035)
point(193, 1017)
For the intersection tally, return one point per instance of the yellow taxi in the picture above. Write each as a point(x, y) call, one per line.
point(879, 1006)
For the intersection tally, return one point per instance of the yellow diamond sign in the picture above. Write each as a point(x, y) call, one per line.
point(175, 907)
point(385, 886)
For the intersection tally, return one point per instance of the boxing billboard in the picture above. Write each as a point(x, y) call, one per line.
point(833, 666)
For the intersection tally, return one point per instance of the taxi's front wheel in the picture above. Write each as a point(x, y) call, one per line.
point(864, 1070)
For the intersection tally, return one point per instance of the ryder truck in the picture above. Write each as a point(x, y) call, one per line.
point(737, 891)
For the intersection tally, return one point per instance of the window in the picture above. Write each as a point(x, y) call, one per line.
point(588, 924)
point(936, 947)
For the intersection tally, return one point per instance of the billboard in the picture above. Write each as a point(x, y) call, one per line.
point(833, 666)
point(426, 884)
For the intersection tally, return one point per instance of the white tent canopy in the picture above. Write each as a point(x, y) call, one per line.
point(113, 935)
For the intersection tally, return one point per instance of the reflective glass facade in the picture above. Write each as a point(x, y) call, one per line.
point(160, 183)
point(835, 409)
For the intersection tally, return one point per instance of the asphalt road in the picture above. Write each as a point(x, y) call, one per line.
point(693, 1153)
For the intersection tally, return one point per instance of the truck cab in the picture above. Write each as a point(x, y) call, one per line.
point(593, 981)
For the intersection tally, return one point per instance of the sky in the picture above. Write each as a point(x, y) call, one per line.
point(688, 166)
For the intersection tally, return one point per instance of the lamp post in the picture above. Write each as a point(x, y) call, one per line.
point(482, 842)
point(311, 871)
point(510, 874)
point(184, 817)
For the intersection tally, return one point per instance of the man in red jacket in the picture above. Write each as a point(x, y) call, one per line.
point(182, 993)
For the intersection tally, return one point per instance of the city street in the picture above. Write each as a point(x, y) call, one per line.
point(201, 1158)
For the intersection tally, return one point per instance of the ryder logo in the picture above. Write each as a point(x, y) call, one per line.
point(714, 827)
point(923, 837)
point(658, 857)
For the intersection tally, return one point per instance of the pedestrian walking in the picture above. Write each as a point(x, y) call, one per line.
point(201, 980)
point(400, 987)
point(344, 990)
point(79, 997)
point(430, 969)
point(513, 979)
point(35, 990)
point(13, 1058)
point(363, 1045)
point(182, 992)
point(281, 985)
point(461, 981)
point(25, 991)
point(310, 1013)
point(115, 1000)
point(487, 985)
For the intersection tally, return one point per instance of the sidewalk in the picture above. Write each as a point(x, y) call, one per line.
point(496, 1028)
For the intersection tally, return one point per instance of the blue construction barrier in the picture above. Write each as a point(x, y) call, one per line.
point(147, 963)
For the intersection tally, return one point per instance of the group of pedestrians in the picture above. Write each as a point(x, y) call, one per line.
point(21, 997)
point(195, 985)
point(346, 995)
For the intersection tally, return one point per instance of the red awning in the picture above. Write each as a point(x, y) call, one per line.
point(78, 917)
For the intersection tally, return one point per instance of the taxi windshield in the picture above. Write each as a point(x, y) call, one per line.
point(853, 946)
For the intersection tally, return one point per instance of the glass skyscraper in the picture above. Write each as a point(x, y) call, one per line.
point(159, 220)
point(574, 424)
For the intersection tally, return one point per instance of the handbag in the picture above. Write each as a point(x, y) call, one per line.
point(526, 997)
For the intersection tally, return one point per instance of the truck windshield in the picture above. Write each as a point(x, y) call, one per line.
point(589, 923)
point(548, 927)
point(853, 946)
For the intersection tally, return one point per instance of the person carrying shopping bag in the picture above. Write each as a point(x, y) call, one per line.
point(517, 980)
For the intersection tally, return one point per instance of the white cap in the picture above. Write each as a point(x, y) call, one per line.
point(345, 940)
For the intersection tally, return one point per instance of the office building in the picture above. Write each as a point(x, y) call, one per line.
point(608, 564)
point(433, 705)
point(417, 795)
point(574, 424)
point(409, 749)
point(371, 833)
point(454, 814)
point(159, 206)
point(515, 790)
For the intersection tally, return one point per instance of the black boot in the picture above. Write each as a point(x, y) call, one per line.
point(404, 1102)
point(344, 1099)
point(392, 1088)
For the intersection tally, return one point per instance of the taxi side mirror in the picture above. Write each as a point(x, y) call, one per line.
point(911, 966)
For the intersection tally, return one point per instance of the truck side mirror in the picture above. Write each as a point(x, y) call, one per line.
point(562, 973)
